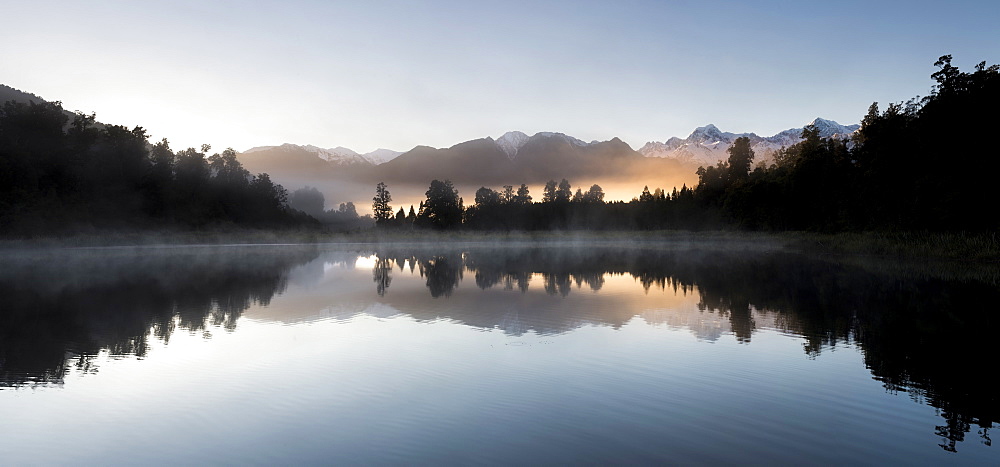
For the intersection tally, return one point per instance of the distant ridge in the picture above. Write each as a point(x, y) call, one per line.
point(707, 145)
point(512, 158)
point(8, 93)
point(338, 155)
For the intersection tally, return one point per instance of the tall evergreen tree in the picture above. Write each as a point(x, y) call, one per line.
point(740, 159)
point(381, 209)
point(523, 196)
point(443, 207)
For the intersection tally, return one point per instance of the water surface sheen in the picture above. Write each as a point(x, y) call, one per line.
point(485, 355)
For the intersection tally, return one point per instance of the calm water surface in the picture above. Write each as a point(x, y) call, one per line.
point(476, 355)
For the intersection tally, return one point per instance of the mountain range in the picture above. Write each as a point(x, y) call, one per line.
point(338, 155)
point(707, 145)
point(515, 157)
point(512, 158)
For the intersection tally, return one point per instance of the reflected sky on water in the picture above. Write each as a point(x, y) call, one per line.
point(482, 355)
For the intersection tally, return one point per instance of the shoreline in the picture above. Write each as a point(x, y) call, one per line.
point(966, 247)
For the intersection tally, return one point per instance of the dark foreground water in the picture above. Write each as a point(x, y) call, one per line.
point(475, 355)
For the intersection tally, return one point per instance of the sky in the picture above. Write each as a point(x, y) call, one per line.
point(374, 74)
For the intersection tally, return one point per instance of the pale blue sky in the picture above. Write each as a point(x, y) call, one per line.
point(397, 74)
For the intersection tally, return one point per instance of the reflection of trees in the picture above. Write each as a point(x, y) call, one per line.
point(916, 332)
point(62, 311)
point(557, 283)
point(382, 275)
point(509, 280)
point(443, 273)
point(739, 314)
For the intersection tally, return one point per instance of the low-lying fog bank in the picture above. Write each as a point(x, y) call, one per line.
point(948, 246)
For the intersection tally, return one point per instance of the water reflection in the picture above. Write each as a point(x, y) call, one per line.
point(923, 332)
point(63, 308)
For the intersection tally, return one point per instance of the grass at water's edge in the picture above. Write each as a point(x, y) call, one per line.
point(715, 240)
point(974, 247)
point(962, 257)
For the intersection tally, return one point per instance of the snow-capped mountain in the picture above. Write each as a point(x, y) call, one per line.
point(707, 145)
point(381, 155)
point(512, 141)
point(338, 155)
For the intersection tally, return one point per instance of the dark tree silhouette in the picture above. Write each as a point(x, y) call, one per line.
point(381, 209)
point(564, 192)
point(549, 192)
point(56, 178)
point(443, 207)
point(308, 200)
point(740, 159)
point(523, 196)
point(594, 195)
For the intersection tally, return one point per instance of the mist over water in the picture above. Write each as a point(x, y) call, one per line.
point(405, 195)
point(472, 353)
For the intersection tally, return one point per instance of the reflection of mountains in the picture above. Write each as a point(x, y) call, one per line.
point(62, 308)
point(530, 290)
point(919, 333)
point(922, 332)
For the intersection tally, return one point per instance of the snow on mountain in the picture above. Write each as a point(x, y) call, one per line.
point(338, 155)
point(511, 142)
point(381, 155)
point(832, 128)
point(707, 145)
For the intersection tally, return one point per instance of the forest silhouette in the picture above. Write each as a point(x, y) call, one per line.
point(894, 173)
point(60, 175)
point(827, 303)
point(62, 309)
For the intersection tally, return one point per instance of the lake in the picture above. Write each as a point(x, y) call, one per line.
point(485, 354)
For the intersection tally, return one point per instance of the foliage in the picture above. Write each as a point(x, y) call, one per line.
point(890, 176)
point(308, 200)
point(443, 208)
point(57, 178)
point(380, 205)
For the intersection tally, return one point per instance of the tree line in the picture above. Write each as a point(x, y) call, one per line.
point(926, 164)
point(913, 343)
point(559, 208)
point(58, 175)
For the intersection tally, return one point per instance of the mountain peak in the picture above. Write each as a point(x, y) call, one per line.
point(381, 155)
point(707, 133)
point(342, 150)
point(707, 144)
point(830, 128)
point(338, 155)
point(511, 142)
point(819, 121)
point(567, 138)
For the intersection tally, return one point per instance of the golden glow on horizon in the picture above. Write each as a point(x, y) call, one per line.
point(365, 262)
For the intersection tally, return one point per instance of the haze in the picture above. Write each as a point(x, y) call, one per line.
point(367, 75)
